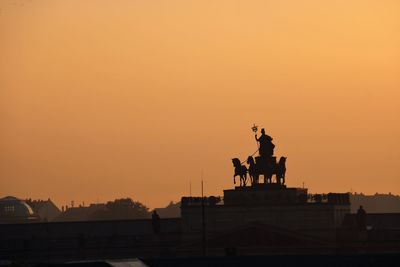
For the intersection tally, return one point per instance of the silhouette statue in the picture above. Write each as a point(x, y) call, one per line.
point(266, 149)
point(281, 171)
point(155, 222)
point(254, 170)
point(361, 218)
point(240, 170)
point(267, 168)
point(265, 164)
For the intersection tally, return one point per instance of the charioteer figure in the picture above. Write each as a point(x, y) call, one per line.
point(266, 147)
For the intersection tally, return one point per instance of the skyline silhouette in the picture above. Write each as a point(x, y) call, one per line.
point(109, 100)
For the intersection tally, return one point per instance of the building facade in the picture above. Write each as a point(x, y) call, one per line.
point(269, 204)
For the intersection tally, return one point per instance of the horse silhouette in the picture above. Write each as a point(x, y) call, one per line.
point(240, 170)
point(254, 170)
point(267, 167)
point(281, 171)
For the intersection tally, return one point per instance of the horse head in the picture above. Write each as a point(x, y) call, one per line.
point(236, 162)
point(250, 160)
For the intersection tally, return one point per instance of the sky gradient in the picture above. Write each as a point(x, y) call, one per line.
point(107, 99)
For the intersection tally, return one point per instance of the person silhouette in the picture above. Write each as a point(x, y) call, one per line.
point(155, 221)
point(361, 218)
point(266, 149)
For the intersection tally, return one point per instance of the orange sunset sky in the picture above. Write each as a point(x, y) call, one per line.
point(107, 99)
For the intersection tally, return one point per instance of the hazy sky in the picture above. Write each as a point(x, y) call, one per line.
point(105, 99)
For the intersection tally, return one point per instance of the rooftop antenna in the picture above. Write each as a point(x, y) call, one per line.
point(201, 183)
point(190, 188)
point(203, 221)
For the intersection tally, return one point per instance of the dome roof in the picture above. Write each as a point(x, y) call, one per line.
point(12, 207)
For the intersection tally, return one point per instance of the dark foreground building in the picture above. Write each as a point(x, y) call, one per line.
point(272, 205)
point(247, 221)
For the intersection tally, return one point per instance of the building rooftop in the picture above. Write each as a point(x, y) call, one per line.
point(12, 208)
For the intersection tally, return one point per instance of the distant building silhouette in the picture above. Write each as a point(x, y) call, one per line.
point(45, 209)
point(14, 210)
point(82, 213)
point(173, 210)
point(378, 203)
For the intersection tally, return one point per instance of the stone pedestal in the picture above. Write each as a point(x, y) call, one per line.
point(264, 194)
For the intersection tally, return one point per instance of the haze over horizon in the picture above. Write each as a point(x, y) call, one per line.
point(108, 99)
